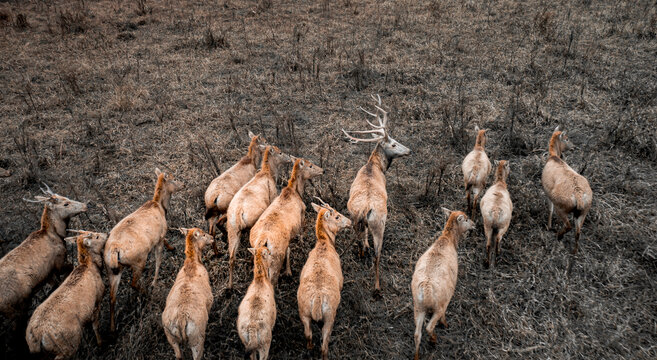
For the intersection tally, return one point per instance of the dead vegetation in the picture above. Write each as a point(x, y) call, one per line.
point(91, 112)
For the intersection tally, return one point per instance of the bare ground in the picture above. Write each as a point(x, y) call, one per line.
point(95, 94)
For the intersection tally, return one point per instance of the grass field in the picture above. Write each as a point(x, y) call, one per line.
point(94, 95)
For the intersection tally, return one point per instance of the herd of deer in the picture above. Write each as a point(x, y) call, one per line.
point(242, 198)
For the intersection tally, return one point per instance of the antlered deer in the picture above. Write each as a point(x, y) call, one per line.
point(252, 200)
point(57, 324)
point(44, 250)
point(283, 219)
point(568, 192)
point(256, 314)
point(321, 278)
point(496, 209)
point(186, 313)
point(133, 238)
point(434, 279)
point(476, 168)
point(368, 198)
point(221, 190)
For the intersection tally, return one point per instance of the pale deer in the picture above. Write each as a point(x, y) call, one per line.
point(283, 219)
point(436, 272)
point(44, 251)
point(368, 198)
point(221, 190)
point(568, 192)
point(57, 325)
point(496, 210)
point(252, 200)
point(476, 168)
point(321, 278)
point(133, 238)
point(185, 315)
point(256, 314)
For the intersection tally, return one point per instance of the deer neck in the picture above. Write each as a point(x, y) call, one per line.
point(451, 232)
point(324, 236)
point(88, 258)
point(379, 158)
point(500, 177)
point(259, 269)
point(555, 149)
point(53, 223)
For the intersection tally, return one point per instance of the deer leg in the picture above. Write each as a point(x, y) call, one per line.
point(114, 280)
point(326, 334)
point(288, 270)
point(174, 344)
point(579, 222)
point(211, 225)
point(443, 321)
point(167, 245)
point(567, 227)
point(468, 199)
point(158, 261)
point(474, 205)
point(307, 332)
point(366, 245)
point(95, 323)
point(500, 233)
point(551, 206)
point(431, 326)
point(488, 231)
point(196, 346)
point(377, 238)
point(419, 321)
point(263, 353)
point(233, 245)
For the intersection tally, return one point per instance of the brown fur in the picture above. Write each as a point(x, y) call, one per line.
point(252, 200)
point(496, 210)
point(321, 278)
point(476, 168)
point(56, 327)
point(283, 219)
point(368, 204)
point(188, 304)
point(434, 279)
point(256, 314)
point(133, 238)
point(567, 191)
point(33, 261)
point(221, 190)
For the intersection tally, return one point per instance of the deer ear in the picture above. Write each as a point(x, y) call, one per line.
point(158, 171)
point(461, 218)
point(316, 207)
point(251, 134)
point(252, 251)
point(87, 241)
point(183, 231)
point(476, 128)
point(197, 233)
point(556, 128)
point(447, 212)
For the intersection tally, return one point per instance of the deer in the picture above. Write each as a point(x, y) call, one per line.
point(252, 200)
point(321, 277)
point(436, 272)
point(368, 197)
point(283, 219)
point(256, 314)
point(133, 238)
point(185, 315)
point(40, 256)
point(476, 168)
point(496, 210)
point(221, 190)
point(57, 325)
point(568, 192)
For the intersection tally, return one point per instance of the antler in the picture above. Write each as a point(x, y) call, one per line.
point(380, 130)
point(78, 231)
point(324, 204)
point(48, 191)
point(33, 201)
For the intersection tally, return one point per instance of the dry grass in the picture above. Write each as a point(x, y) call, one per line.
point(95, 95)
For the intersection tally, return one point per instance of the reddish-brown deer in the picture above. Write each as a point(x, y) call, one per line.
point(368, 198)
point(476, 168)
point(496, 210)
